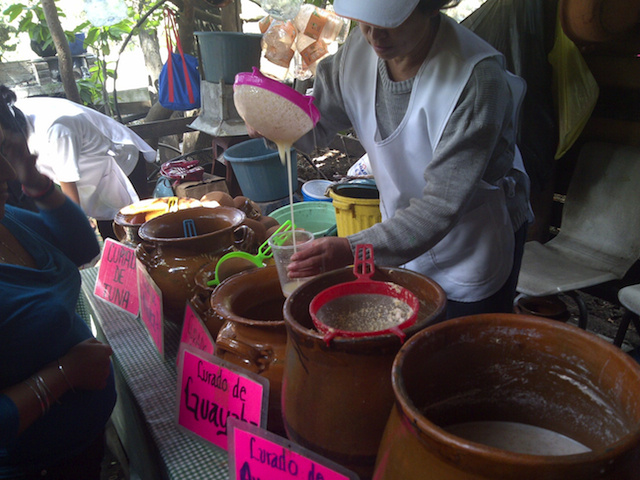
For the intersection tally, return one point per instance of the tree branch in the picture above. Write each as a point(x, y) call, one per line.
point(65, 62)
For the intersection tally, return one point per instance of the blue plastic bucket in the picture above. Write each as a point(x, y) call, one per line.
point(313, 191)
point(260, 173)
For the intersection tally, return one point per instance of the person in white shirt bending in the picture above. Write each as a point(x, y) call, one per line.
point(88, 154)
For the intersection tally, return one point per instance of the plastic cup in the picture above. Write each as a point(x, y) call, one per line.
point(283, 246)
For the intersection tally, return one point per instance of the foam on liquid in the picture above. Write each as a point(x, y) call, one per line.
point(518, 438)
point(364, 312)
point(289, 287)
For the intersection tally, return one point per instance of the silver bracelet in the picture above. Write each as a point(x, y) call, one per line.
point(39, 397)
point(61, 369)
point(44, 388)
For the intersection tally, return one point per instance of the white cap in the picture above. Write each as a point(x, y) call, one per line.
point(380, 13)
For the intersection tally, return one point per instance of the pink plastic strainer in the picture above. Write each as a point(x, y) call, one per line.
point(364, 307)
point(258, 80)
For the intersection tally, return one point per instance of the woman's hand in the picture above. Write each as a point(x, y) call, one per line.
point(87, 365)
point(324, 254)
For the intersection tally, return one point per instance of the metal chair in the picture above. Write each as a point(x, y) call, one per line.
point(630, 299)
point(598, 240)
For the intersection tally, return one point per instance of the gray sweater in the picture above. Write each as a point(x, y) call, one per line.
point(477, 144)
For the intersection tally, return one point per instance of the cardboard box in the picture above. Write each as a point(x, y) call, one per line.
point(209, 183)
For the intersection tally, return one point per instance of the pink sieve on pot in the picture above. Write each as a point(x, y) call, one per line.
point(364, 307)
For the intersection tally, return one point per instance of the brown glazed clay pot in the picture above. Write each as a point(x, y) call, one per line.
point(129, 219)
point(551, 307)
point(201, 298)
point(511, 368)
point(126, 228)
point(336, 399)
point(253, 334)
point(172, 259)
point(588, 21)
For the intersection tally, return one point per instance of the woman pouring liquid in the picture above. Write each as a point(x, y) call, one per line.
point(436, 112)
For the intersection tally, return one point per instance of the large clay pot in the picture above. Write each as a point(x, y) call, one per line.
point(253, 334)
point(336, 398)
point(126, 228)
point(129, 219)
point(511, 368)
point(588, 21)
point(201, 298)
point(172, 259)
point(551, 307)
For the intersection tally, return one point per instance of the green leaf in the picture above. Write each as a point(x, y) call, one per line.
point(81, 27)
point(92, 36)
point(24, 25)
point(14, 11)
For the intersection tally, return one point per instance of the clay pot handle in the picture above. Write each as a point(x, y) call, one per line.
point(245, 238)
point(200, 301)
point(120, 232)
point(144, 256)
point(260, 359)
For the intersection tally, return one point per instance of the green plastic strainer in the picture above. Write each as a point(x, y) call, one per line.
point(235, 262)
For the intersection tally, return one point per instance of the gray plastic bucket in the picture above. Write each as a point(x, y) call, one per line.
point(224, 54)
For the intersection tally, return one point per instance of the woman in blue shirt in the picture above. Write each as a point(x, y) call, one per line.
point(56, 382)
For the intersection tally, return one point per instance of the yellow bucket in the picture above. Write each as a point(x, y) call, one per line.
point(357, 207)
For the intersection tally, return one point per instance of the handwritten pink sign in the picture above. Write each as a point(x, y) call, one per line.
point(256, 453)
point(117, 279)
point(195, 333)
point(211, 391)
point(151, 307)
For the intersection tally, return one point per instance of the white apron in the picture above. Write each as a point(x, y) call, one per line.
point(475, 258)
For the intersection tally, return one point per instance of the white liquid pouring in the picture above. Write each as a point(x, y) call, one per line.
point(278, 120)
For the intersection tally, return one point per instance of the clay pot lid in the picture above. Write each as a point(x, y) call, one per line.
point(588, 21)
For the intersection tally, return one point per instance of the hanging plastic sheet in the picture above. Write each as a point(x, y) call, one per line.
point(576, 91)
point(102, 13)
point(521, 31)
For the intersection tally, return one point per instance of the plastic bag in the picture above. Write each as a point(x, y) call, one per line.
point(361, 168)
point(575, 90)
point(182, 171)
point(282, 9)
point(163, 188)
point(179, 80)
point(102, 13)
